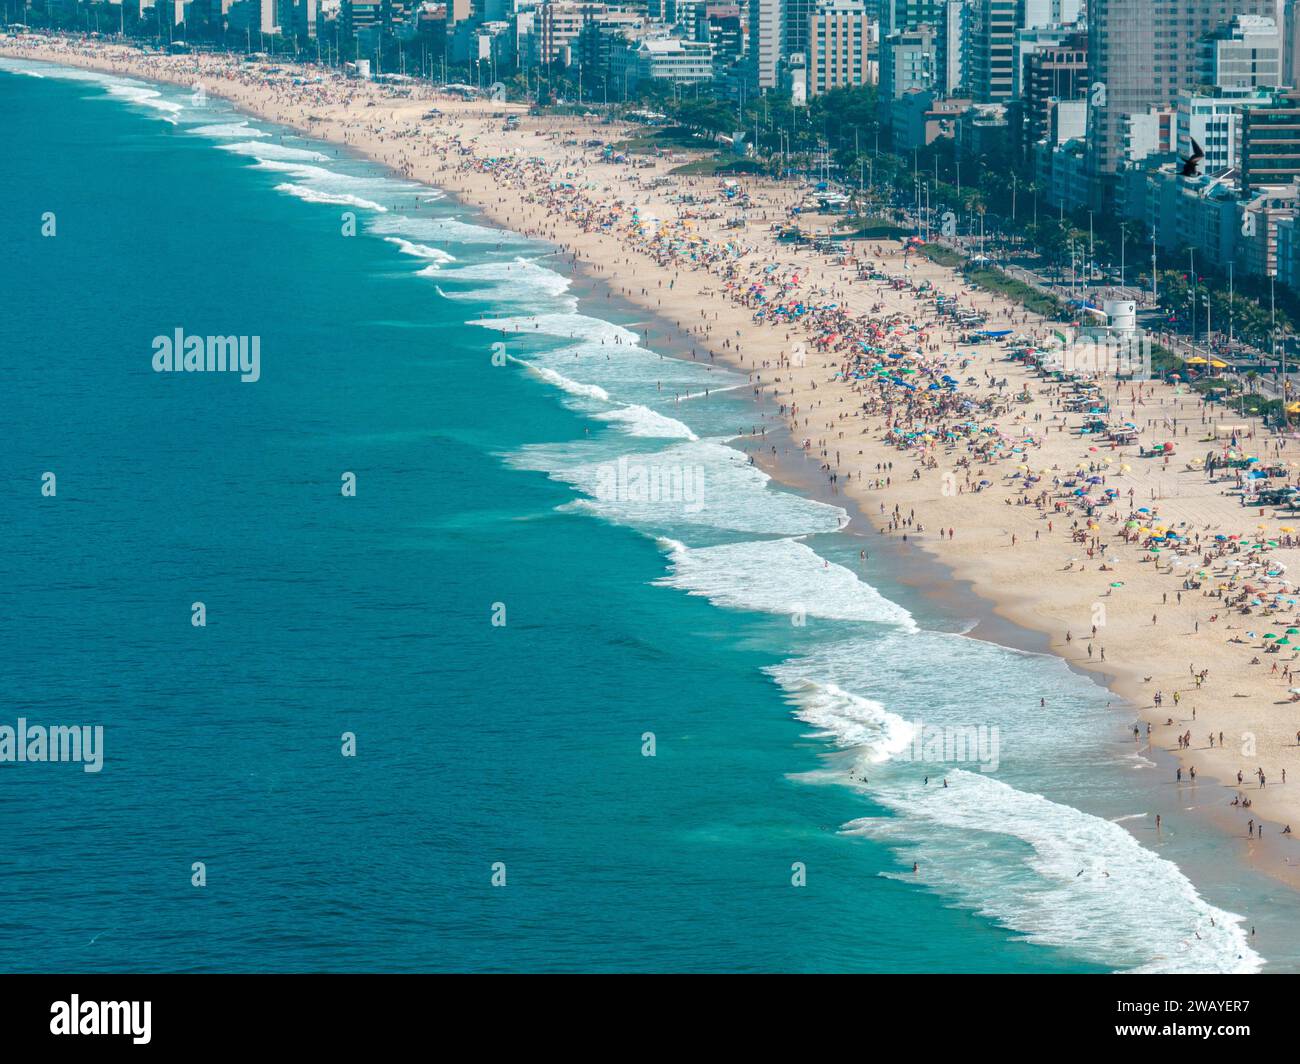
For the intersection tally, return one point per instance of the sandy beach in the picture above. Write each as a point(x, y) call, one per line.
point(1148, 572)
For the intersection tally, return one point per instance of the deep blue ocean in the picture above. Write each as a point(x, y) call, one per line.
point(503, 615)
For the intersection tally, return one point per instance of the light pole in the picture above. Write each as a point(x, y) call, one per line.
point(1090, 248)
point(1155, 294)
point(1230, 301)
point(1272, 332)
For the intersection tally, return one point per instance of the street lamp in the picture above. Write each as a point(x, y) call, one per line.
point(1090, 248)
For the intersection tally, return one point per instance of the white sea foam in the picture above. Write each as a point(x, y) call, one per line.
point(520, 280)
point(298, 171)
point(588, 391)
point(40, 69)
point(421, 251)
point(280, 152)
point(326, 180)
point(571, 326)
point(634, 374)
point(697, 483)
point(851, 721)
point(781, 576)
point(436, 230)
point(950, 679)
point(1059, 876)
point(221, 130)
point(343, 199)
point(142, 94)
point(638, 420)
point(633, 419)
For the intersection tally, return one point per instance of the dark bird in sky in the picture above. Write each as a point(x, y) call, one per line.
point(1192, 161)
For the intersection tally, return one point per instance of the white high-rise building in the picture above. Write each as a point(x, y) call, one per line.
point(766, 41)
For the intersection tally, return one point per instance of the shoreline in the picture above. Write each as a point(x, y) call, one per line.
point(1005, 619)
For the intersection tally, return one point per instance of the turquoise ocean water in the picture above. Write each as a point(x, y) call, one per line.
point(478, 746)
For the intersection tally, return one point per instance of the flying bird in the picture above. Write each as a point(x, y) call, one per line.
point(1192, 161)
